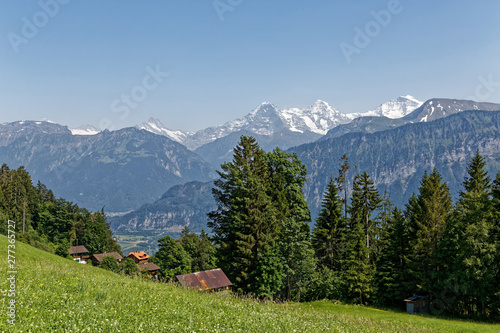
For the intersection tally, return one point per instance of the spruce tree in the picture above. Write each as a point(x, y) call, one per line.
point(391, 275)
point(287, 178)
point(359, 266)
point(329, 234)
point(472, 232)
point(244, 224)
point(428, 214)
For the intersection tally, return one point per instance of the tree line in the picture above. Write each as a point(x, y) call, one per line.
point(46, 222)
point(362, 249)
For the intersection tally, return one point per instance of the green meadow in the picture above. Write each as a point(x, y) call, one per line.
point(57, 295)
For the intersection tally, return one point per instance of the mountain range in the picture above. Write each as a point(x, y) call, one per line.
point(163, 178)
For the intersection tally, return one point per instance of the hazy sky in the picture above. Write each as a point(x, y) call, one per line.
point(105, 63)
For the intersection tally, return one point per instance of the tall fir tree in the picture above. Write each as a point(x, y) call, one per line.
point(427, 215)
point(359, 265)
point(391, 278)
point(287, 178)
point(245, 225)
point(329, 234)
point(471, 236)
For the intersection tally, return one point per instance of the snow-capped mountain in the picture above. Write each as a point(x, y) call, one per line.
point(85, 130)
point(317, 118)
point(155, 126)
point(267, 119)
point(395, 108)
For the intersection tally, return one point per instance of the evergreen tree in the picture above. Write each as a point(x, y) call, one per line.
point(427, 214)
point(287, 178)
point(244, 224)
point(200, 250)
point(329, 234)
point(342, 181)
point(365, 200)
point(471, 235)
point(391, 277)
point(359, 266)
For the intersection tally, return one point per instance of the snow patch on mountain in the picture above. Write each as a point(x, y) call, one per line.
point(395, 108)
point(85, 130)
point(155, 126)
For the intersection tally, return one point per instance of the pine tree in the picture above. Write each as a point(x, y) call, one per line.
point(359, 266)
point(391, 276)
point(342, 181)
point(244, 224)
point(427, 214)
point(329, 234)
point(472, 231)
point(365, 200)
point(172, 258)
point(287, 178)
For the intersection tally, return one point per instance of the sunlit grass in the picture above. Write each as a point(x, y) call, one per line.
point(58, 295)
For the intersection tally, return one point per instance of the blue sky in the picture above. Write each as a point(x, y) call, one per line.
point(225, 57)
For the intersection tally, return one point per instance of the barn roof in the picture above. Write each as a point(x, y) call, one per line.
point(205, 280)
point(101, 256)
point(77, 249)
point(149, 266)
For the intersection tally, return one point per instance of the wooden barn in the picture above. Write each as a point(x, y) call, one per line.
point(79, 253)
point(214, 279)
point(97, 258)
point(151, 268)
point(416, 304)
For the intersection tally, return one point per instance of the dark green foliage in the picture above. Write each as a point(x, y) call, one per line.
point(295, 254)
point(200, 249)
point(359, 262)
point(245, 223)
point(427, 216)
point(129, 267)
point(329, 234)
point(62, 249)
point(172, 258)
point(391, 275)
point(470, 245)
point(109, 263)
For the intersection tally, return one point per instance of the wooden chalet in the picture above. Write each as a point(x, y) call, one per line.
point(416, 304)
point(151, 268)
point(139, 257)
point(214, 279)
point(97, 258)
point(79, 253)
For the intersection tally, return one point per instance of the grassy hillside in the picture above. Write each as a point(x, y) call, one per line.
point(58, 295)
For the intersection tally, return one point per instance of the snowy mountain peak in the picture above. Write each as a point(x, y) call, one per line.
point(84, 130)
point(156, 126)
point(395, 108)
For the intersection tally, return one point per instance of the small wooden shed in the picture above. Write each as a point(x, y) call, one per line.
point(214, 279)
point(97, 258)
point(416, 304)
point(151, 268)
